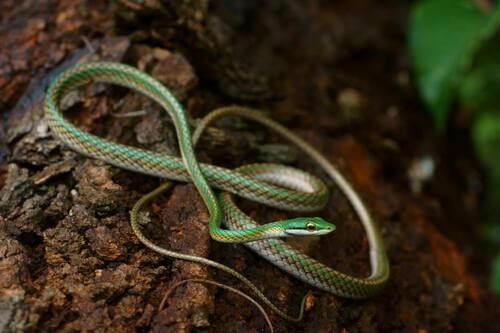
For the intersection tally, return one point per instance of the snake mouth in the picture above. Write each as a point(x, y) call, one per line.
point(305, 233)
point(326, 231)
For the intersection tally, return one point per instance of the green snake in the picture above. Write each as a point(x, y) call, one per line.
point(270, 184)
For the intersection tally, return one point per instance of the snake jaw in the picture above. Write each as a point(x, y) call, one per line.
point(305, 233)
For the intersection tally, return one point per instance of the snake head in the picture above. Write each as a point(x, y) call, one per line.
point(307, 226)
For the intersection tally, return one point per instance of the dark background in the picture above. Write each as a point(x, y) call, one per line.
point(337, 73)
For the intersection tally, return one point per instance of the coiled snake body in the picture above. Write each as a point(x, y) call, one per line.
point(273, 185)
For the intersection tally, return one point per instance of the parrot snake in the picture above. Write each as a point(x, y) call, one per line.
point(274, 185)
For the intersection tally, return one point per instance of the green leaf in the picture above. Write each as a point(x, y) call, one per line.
point(486, 138)
point(442, 38)
point(480, 89)
point(490, 231)
point(495, 274)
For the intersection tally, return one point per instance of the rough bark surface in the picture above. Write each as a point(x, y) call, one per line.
point(337, 73)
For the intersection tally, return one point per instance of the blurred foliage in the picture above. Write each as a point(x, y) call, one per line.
point(443, 36)
point(495, 274)
point(455, 50)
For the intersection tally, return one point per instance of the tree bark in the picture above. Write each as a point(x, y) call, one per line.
point(337, 74)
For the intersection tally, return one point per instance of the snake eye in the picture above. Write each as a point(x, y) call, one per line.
point(310, 226)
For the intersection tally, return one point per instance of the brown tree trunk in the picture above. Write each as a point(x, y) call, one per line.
point(337, 73)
